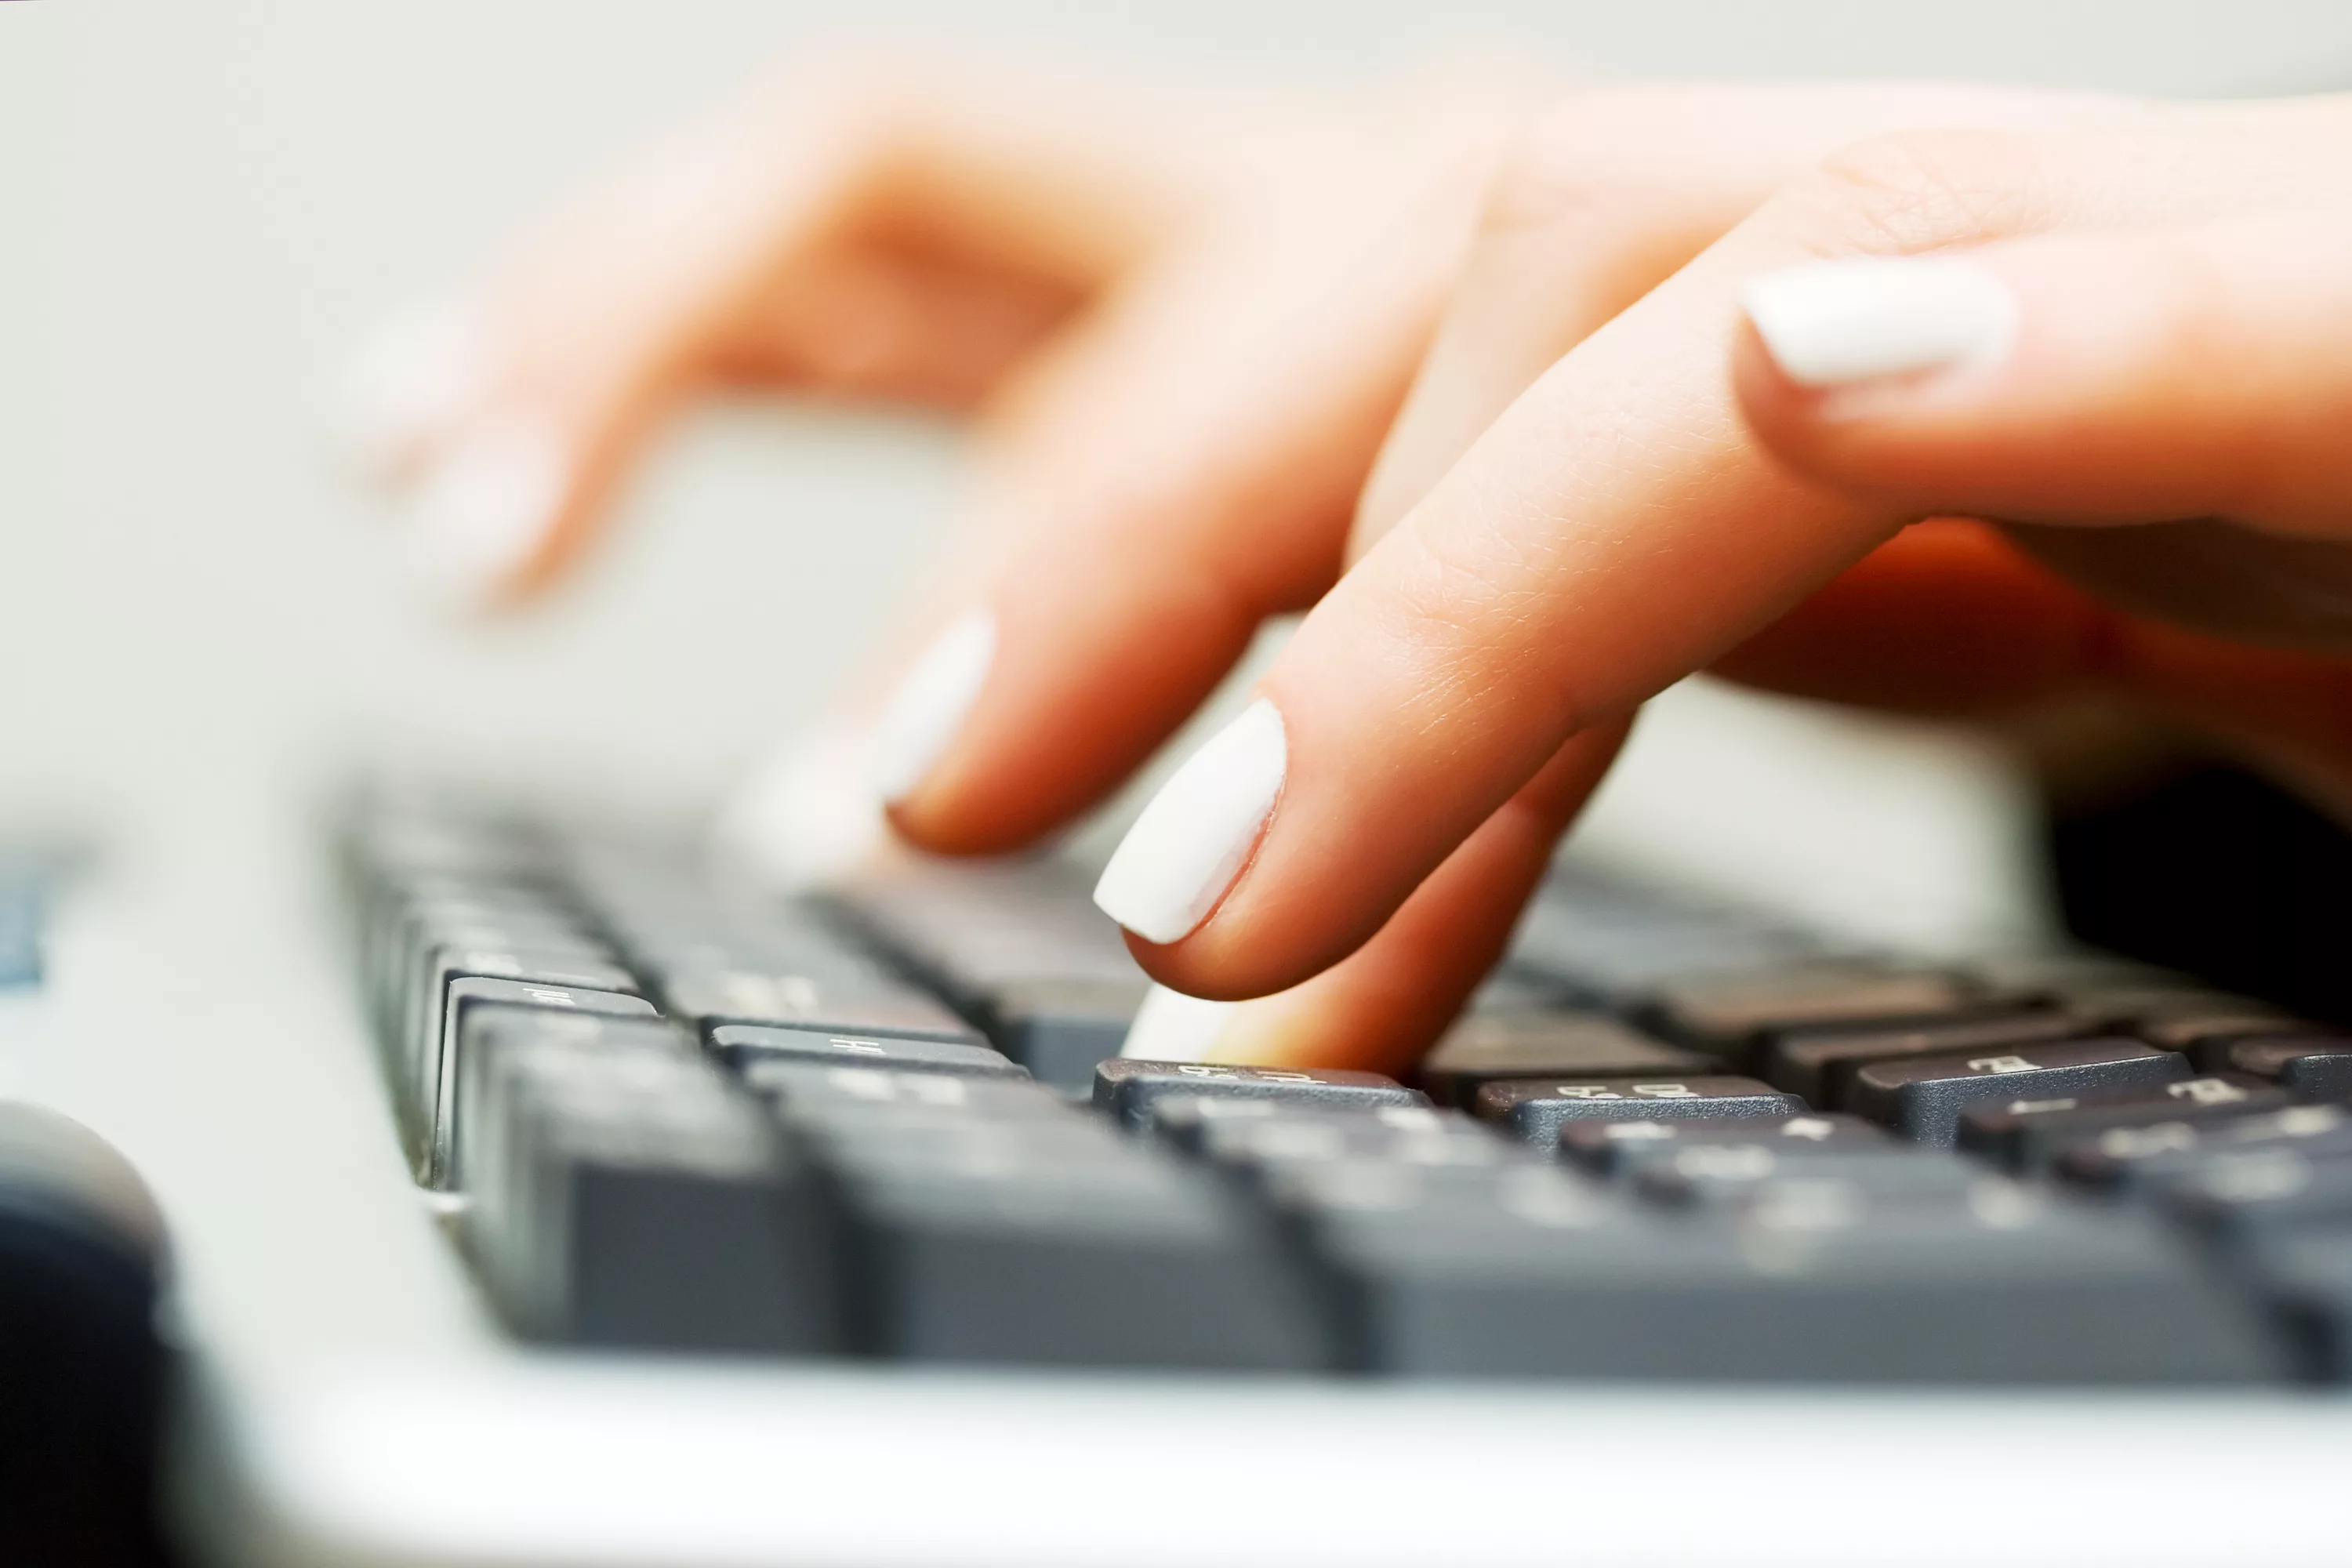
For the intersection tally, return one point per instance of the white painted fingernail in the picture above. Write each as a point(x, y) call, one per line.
point(1190, 843)
point(807, 817)
point(1827, 324)
point(1173, 1027)
point(485, 510)
point(412, 375)
point(924, 714)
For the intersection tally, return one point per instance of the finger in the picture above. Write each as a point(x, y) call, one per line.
point(1177, 471)
point(1606, 196)
point(2200, 371)
point(530, 400)
point(1615, 529)
point(1380, 1008)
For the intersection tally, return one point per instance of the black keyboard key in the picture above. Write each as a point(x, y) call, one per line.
point(1531, 1272)
point(1537, 1109)
point(1256, 1135)
point(490, 1028)
point(1608, 1148)
point(742, 1045)
point(629, 1197)
point(2025, 1134)
point(1059, 1029)
point(1703, 1175)
point(2176, 1019)
point(1820, 1064)
point(1484, 1048)
point(2314, 1067)
point(845, 1002)
point(983, 1225)
point(1129, 1088)
point(1730, 1014)
point(437, 1085)
point(1923, 1096)
point(1018, 947)
point(2153, 1157)
point(2243, 1192)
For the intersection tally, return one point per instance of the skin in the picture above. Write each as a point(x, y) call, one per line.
point(1460, 370)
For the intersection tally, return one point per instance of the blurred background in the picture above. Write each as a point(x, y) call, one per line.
point(204, 204)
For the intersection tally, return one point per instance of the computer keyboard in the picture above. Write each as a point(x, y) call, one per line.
point(1669, 1141)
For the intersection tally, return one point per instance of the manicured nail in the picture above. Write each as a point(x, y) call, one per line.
point(1173, 1027)
point(485, 510)
point(1191, 842)
point(933, 697)
point(1827, 324)
point(411, 376)
point(807, 817)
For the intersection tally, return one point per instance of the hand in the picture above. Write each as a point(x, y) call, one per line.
point(2146, 325)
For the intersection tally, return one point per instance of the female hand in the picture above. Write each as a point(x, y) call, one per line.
point(2095, 330)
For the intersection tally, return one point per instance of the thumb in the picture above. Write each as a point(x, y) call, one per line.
point(2083, 379)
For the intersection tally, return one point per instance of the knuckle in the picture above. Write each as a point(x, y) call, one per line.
point(1916, 190)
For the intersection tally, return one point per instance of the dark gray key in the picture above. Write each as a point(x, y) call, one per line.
point(1607, 1148)
point(1922, 1096)
point(2245, 1191)
point(1484, 1048)
point(2026, 1133)
point(1702, 1175)
point(1730, 1014)
point(1531, 1272)
point(2314, 1067)
point(2050, 975)
point(629, 1198)
point(1820, 1064)
point(2174, 1018)
point(984, 1226)
point(436, 1089)
point(1256, 1135)
point(2153, 1157)
point(1061, 1028)
point(848, 1002)
point(2306, 1275)
point(1129, 1088)
point(576, 966)
point(826, 1102)
point(1613, 944)
point(495, 1026)
point(1020, 947)
point(744, 1045)
point(1537, 1109)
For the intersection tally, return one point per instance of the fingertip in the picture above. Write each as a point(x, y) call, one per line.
point(410, 380)
point(486, 513)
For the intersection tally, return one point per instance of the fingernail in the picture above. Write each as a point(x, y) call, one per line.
point(1173, 1027)
point(1827, 324)
point(485, 510)
point(806, 819)
point(1191, 842)
point(413, 374)
point(928, 707)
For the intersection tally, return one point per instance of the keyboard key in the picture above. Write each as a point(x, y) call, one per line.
point(2175, 1019)
point(1019, 947)
point(1699, 1174)
point(2026, 1134)
point(1060, 1029)
point(626, 1198)
point(2314, 1067)
point(1537, 1109)
point(1607, 1148)
point(2153, 1157)
point(1923, 1096)
point(1484, 1048)
point(845, 1002)
point(1130, 1088)
point(496, 1027)
point(742, 1045)
point(2242, 1191)
point(1728, 1015)
point(436, 1087)
point(1820, 1064)
point(1531, 1272)
point(1257, 1135)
